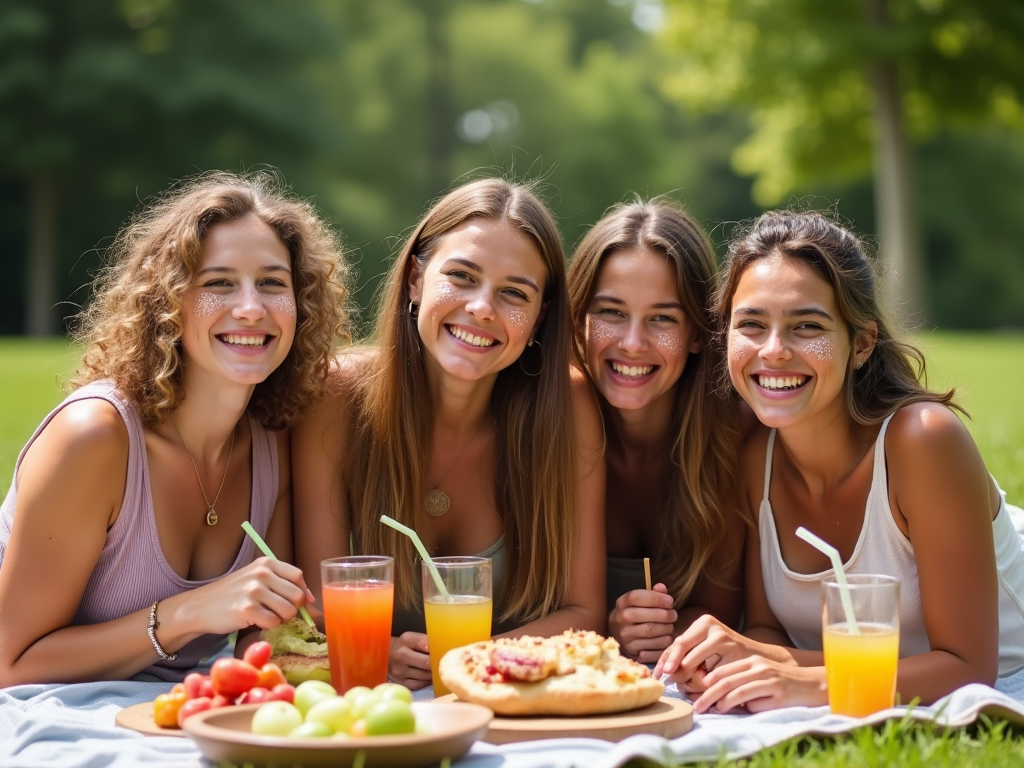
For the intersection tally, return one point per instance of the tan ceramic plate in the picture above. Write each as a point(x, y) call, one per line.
point(223, 735)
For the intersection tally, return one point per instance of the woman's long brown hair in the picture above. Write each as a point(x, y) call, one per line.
point(703, 453)
point(534, 468)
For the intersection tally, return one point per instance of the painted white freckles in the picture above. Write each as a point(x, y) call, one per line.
point(821, 348)
point(207, 304)
point(598, 330)
point(444, 292)
point(520, 320)
point(671, 341)
point(283, 303)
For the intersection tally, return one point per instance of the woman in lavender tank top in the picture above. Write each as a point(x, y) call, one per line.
point(121, 547)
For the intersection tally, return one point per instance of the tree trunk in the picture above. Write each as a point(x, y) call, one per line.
point(899, 247)
point(40, 317)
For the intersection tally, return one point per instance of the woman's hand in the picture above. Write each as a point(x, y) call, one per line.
point(264, 593)
point(642, 621)
point(409, 662)
point(707, 644)
point(759, 684)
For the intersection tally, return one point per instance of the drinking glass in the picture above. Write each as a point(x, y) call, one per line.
point(860, 666)
point(359, 597)
point(465, 617)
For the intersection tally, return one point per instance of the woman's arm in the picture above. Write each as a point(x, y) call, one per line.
point(70, 488)
point(585, 606)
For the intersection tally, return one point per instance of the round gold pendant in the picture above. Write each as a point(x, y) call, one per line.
point(437, 502)
point(211, 516)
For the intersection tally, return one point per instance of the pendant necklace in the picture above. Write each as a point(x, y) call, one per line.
point(211, 513)
point(436, 501)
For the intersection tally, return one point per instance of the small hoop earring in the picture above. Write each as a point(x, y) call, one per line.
point(530, 344)
point(414, 310)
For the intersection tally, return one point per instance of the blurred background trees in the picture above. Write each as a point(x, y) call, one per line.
point(376, 108)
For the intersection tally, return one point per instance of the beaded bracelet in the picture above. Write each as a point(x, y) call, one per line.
point(153, 624)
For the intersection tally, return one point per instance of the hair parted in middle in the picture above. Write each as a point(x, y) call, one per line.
point(132, 327)
point(892, 375)
point(704, 427)
point(389, 450)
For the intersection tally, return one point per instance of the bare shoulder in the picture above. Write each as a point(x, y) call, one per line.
point(925, 433)
point(91, 431)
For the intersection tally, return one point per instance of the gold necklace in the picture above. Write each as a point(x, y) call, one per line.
point(211, 513)
point(437, 502)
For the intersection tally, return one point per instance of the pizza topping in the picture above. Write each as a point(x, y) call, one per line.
point(527, 665)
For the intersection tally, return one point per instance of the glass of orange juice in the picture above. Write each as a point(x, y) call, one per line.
point(861, 657)
point(465, 617)
point(359, 596)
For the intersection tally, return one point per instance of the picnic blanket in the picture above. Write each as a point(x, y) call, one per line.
point(72, 726)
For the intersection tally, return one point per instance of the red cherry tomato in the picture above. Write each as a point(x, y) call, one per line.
point(206, 687)
point(255, 695)
point(193, 685)
point(283, 692)
point(192, 707)
point(270, 675)
point(233, 677)
point(219, 701)
point(258, 653)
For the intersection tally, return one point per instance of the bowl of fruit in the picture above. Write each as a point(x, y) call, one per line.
point(378, 728)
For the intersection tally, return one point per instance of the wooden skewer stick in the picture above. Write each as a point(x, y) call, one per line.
point(647, 572)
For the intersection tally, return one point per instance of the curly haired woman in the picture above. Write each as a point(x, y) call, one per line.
point(121, 549)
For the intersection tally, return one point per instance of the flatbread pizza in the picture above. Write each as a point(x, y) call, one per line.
point(575, 673)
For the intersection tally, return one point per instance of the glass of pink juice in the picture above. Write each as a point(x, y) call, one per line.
point(359, 597)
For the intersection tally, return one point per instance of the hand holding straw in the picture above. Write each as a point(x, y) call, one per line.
point(266, 551)
point(647, 573)
point(837, 565)
point(392, 523)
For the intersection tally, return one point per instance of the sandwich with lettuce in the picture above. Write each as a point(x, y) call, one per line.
point(299, 650)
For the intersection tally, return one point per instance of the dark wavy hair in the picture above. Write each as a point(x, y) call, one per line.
point(893, 375)
point(132, 327)
point(703, 451)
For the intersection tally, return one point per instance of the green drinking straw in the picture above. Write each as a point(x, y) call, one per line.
point(266, 551)
point(837, 565)
point(392, 523)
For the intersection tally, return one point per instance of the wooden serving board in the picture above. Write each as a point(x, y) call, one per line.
point(139, 717)
point(666, 717)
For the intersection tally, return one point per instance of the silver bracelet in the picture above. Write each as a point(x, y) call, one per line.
point(153, 624)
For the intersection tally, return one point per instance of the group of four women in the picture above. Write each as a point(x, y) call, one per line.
point(564, 424)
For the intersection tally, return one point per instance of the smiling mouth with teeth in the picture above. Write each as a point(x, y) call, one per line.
point(469, 338)
point(782, 382)
point(635, 371)
point(243, 341)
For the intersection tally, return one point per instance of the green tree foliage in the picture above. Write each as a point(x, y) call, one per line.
point(103, 102)
point(427, 94)
point(802, 67)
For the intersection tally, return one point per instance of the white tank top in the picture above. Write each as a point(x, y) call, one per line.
point(795, 598)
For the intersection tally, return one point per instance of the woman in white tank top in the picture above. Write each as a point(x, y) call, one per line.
point(121, 547)
point(853, 447)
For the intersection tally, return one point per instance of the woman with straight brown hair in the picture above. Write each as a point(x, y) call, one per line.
point(461, 421)
point(639, 287)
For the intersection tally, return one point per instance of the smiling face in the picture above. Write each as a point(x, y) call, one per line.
point(480, 298)
point(638, 335)
point(239, 313)
point(789, 348)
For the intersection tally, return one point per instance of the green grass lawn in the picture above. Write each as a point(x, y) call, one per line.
point(987, 370)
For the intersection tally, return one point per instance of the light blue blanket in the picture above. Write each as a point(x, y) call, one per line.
point(72, 726)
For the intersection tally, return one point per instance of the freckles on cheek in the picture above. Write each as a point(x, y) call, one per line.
point(821, 348)
point(740, 347)
point(671, 342)
point(208, 303)
point(445, 292)
point(599, 330)
point(519, 320)
point(283, 303)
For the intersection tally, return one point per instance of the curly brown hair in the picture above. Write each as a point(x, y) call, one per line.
point(132, 328)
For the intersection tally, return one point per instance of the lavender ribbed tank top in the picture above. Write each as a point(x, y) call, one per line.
point(132, 572)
